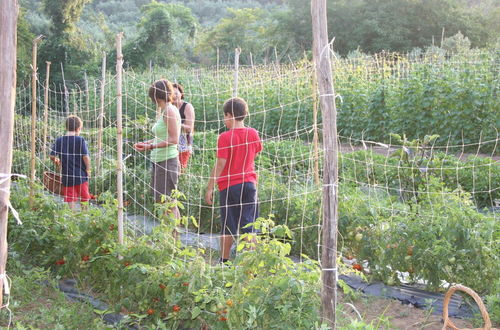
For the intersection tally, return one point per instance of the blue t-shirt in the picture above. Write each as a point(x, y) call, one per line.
point(70, 150)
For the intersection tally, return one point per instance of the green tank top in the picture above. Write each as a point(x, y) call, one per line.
point(160, 130)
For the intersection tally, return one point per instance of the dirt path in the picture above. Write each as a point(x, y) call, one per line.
point(386, 151)
point(391, 314)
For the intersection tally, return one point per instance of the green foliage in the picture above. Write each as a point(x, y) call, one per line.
point(159, 282)
point(374, 26)
point(36, 302)
point(247, 29)
point(443, 238)
point(456, 44)
point(476, 175)
point(160, 26)
point(66, 44)
point(24, 47)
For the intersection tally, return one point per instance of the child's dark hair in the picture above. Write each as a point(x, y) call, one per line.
point(237, 107)
point(179, 88)
point(73, 123)
point(161, 90)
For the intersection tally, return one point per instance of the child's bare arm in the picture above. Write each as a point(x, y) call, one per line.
point(220, 163)
point(86, 161)
point(55, 160)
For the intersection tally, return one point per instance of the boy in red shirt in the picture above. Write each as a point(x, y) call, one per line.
point(235, 174)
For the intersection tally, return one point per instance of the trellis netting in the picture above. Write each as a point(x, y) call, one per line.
point(437, 173)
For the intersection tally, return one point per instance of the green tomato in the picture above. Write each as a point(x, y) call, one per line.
point(358, 237)
point(451, 260)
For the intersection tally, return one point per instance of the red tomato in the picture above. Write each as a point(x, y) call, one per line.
point(358, 267)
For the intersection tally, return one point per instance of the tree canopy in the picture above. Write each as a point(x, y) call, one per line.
point(194, 31)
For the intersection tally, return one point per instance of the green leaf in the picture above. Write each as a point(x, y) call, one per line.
point(195, 312)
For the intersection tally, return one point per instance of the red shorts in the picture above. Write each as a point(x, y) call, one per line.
point(184, 158)
point(77, 193)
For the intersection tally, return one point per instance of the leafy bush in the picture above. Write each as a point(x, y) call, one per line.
point(156, 281)
point(442, 238)
point(477, 175)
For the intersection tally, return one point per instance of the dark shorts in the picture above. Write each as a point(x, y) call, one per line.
point(164, 177)
point(238, 207)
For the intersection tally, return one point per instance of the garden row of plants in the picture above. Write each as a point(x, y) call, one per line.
point(437, 206)
point(155, 281)
point(455, 97)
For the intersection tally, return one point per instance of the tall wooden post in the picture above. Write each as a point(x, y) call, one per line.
point(237, 53)
point(33, 118)
point(119, 134)
point(46, 110)
point(315, 129)
point(321, 56)
point(87, 95)
point(8, 36)
point(101, 116)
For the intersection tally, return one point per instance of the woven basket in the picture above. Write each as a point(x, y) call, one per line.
point(484, 313)
point(52, 182)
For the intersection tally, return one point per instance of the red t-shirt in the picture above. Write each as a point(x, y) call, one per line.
point(239, 147)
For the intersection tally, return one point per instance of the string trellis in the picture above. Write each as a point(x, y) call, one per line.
point(375, 175)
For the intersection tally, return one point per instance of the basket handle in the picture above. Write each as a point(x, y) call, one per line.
point(477, 299)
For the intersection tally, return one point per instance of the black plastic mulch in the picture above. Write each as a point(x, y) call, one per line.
point(409, 295)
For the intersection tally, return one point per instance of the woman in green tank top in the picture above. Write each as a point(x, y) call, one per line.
point(164, 152)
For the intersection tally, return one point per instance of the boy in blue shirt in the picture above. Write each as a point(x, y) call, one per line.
point(71, 152)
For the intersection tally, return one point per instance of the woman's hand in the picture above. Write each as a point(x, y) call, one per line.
point(143, 146)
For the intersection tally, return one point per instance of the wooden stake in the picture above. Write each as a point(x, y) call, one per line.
point(101, 116)
point(8, 34)
point(218, 59)
point(442, 38)
point(66, 93)
point(315, 129)
point(33, 118)
point(46, 110)
point(87, 95)
point(119, 134)
point(321, 55)
point(237, 53)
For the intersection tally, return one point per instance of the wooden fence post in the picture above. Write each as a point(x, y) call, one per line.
point(315, 129)
point(321, 56)
point(46, 110)
point(33, 118)
point(119, 134)
point(237, 53)
point(101, 117)
point(8, 36)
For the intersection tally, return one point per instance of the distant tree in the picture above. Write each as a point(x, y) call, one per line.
point(65, 43)
point(249, 29)
point(163, 35)
point(456, 44)
point(395, 25)
point(24, 46)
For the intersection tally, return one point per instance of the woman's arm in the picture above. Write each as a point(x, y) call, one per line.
point(188, 125)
